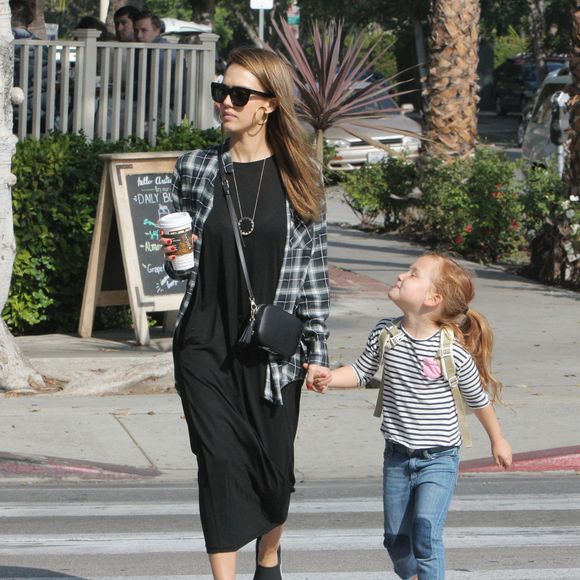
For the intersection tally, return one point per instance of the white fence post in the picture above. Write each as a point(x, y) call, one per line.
point(86, 77)
point(206, 72)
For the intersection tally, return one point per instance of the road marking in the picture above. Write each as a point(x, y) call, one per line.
point(294, 540)
point(520, 574)
point(487, 503)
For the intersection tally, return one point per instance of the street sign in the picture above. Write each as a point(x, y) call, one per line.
point(261, 4)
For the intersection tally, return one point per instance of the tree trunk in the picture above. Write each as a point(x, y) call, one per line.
point(250, 29)
point(319, 147)
point(555, 256)
point(15, 371)
point(451, 99)
point(38, 25)
point(574, 105)
point(537, 12)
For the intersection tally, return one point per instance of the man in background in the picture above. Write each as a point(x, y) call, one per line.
point(124, 20)
point(148, 29)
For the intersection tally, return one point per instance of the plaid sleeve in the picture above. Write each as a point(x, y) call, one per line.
point(314, 301)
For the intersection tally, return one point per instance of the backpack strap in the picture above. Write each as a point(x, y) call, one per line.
point(445, 356)
point(390, 337)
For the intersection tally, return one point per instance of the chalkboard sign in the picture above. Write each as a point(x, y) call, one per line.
point(149, 199)
point(135, 193)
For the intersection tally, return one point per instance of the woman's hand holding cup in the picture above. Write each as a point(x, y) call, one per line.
point(177, 240)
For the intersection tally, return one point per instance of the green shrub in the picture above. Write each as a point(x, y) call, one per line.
point(473, 206)
point(399, 179)
point(186, 137)
point(543, 186)
point(445, 202)
point(362, 192)
point(54, 203)
point(551, 222)
point(369, 190)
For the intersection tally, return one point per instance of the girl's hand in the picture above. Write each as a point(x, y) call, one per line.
point(168, 248)
point(502, 452)
point(317, 378)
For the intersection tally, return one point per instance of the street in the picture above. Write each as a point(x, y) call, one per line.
point(509, 526)
point(101, 486)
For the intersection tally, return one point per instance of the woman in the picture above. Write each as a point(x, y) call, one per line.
point(242, 405)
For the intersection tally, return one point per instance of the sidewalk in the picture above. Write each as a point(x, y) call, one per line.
point(143, 435)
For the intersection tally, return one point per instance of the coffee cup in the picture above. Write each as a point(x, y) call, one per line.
point(177, 226)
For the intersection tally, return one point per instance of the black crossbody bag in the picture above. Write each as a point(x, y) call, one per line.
point(270, 327)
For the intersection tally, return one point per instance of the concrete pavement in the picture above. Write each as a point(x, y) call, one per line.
point(143, 435)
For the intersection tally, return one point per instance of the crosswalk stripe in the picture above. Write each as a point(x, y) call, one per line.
point(495, 503)
point(519, 574)
point(294, 540)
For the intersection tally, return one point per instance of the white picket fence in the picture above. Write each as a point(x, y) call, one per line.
point(112, 90)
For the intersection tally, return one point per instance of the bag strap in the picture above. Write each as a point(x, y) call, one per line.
point(445, 356)
point(237, 236)
point(390, 337)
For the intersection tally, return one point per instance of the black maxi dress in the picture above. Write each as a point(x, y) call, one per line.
point(243, 443)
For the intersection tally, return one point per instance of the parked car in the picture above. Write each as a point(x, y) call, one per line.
point(353, 152)
point(523, 121)
point(516, 82)
point(537, 148)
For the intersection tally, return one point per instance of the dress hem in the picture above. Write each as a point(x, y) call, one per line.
point(223, 550)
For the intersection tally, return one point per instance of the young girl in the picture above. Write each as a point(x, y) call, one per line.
point(420, 422)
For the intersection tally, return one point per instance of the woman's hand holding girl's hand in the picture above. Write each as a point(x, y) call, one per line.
point(168, 248)
point(317, 378)
point(502, 452)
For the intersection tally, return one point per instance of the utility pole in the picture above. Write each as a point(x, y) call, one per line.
point(261, 5)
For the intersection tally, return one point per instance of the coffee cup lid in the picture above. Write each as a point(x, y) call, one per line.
point(177, 219)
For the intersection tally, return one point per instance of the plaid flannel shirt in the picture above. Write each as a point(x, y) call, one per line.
point(303, 285)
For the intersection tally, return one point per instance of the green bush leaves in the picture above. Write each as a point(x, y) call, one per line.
point(54, 206)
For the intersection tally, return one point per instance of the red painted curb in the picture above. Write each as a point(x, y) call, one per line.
point(555, 459)
point(46, 466)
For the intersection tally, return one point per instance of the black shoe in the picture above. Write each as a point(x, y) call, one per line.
point(271, 572)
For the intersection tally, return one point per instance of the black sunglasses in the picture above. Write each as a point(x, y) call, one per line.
point(239, 95)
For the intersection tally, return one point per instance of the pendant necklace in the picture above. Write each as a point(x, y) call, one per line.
point(246, 223)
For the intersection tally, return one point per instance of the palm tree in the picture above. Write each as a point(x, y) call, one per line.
point(332, 89)
point(451, 96)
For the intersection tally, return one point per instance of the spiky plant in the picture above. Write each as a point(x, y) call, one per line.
point(332, 89)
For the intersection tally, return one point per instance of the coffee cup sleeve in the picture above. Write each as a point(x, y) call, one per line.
point(170, 271)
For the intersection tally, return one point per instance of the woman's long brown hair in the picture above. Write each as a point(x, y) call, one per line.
point(455, 284)
point(300, 175)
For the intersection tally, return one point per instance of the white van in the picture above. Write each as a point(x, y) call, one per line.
point(537, 148)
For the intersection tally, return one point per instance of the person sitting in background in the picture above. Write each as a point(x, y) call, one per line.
point(95, 24)
point(124, 20)
point(148, 27)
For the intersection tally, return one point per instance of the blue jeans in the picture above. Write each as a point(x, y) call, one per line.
point(417, 492)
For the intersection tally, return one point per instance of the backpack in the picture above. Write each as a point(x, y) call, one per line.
point(391, 336)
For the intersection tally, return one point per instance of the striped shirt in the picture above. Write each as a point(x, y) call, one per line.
point(419, 412)
point(303, 284)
